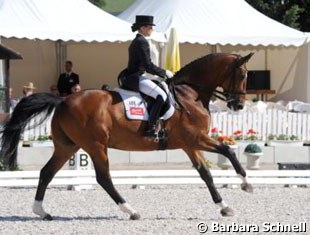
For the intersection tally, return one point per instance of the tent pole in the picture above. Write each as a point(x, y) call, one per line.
point(308, 71)
point(266, 58)
point(7, 85)
point(213, 48)
point(57, 48)
point(61, 55)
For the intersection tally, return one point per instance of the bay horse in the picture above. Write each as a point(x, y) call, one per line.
point(94, 120)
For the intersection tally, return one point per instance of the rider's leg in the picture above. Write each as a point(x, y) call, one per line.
point(151, 89)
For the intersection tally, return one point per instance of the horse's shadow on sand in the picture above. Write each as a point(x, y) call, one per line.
point(58, 218)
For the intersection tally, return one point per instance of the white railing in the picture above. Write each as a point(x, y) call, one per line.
point(151, 177)
point(42, 130)
point(271, 121)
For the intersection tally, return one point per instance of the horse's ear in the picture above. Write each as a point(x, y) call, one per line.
point(245, 59)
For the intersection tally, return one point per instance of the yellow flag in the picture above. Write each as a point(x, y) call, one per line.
point(173, 62)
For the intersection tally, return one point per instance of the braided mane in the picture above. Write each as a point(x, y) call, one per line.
point(198, 64)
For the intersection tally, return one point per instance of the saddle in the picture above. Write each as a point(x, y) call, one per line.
point(138, 105)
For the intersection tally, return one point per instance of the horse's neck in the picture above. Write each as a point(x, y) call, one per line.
point(204, 86)
point(190, 98)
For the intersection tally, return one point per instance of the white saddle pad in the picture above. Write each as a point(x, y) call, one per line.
point(136, 107)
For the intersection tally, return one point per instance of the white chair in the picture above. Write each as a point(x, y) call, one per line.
point(302, 108)
point(292, 104)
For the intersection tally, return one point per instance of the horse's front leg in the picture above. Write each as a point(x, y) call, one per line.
point(205, 174)
point(231, 155)
point(208, 144)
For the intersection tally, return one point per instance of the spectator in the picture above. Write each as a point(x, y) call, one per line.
point(12, 101)
point(76, 88)
point(54, 90)
point(28, 89)
point(67, 80)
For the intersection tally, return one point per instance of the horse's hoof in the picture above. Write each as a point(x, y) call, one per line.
point(48, 217)
point(247, 187)
point(135, 216)
point(227, 211)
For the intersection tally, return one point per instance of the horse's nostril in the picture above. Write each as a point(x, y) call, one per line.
point(240, 106)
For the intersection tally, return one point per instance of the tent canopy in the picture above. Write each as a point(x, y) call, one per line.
point(66, 20)
point(8, 53)
point(215, 22)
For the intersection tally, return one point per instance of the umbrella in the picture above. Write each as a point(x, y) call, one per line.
point(173, 62)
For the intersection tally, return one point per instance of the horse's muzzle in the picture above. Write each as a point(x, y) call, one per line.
point(235, 105)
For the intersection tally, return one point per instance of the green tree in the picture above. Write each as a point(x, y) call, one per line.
point(293, 13)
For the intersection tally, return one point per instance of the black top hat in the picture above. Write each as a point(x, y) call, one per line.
point(142, 20)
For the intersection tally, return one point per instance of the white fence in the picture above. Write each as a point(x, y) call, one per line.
point(271, 121)
point(151, 177)
point(42, 130)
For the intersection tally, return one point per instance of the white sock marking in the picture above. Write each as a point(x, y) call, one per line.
point(244, 179)
point(38, 209)
point(222, 204)
point(125, 207)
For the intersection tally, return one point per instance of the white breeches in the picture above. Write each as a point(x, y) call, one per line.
point(151, 88)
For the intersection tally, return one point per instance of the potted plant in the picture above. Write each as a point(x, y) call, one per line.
point(253, 153)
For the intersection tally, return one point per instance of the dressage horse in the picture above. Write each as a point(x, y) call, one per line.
point(94, 120)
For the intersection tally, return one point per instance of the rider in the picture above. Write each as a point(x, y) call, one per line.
point(139, 63)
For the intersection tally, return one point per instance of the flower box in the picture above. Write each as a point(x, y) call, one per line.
point(292, 143)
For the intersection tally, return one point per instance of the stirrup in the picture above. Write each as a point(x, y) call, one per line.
point(152, 133)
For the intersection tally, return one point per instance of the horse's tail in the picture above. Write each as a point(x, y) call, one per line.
point(24, 111)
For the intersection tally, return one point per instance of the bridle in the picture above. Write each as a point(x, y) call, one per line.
point(231, 94)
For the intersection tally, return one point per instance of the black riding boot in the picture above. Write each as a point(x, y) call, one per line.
point(154, 116)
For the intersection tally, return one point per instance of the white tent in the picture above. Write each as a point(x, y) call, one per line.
point(76, 20)
point(93, 39)
point(215, 22)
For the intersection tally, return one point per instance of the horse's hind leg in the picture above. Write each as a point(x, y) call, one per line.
point(59, 158)
point(101, 165)
point(205, 174)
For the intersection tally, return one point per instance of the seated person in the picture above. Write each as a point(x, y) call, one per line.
point(54, 90)
point(28, 89)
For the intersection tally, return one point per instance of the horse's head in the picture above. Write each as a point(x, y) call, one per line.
point(224, 70)
point(234, 85)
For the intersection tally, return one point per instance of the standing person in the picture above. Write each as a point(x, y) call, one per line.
point(67, 80)
point(139, 63)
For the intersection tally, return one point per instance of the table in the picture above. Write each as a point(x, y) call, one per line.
point(261, 94)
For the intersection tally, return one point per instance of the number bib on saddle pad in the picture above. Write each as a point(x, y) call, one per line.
point(136, 107)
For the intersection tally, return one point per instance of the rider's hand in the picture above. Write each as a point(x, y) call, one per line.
point(169, 74)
